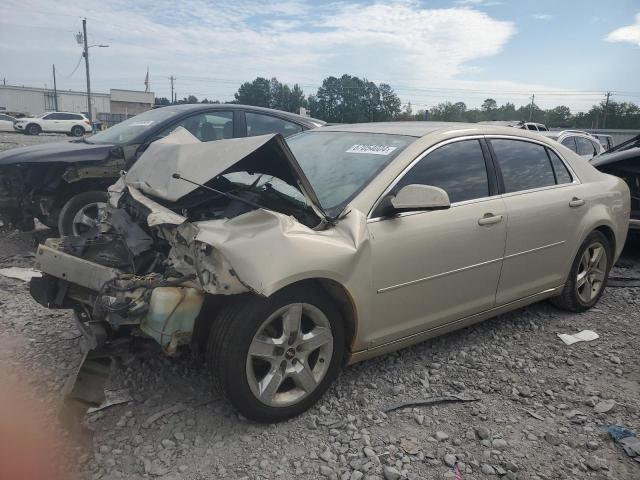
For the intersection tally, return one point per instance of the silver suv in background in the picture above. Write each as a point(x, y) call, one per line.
point(74, 124)
point(536, 127)
point(583, 143)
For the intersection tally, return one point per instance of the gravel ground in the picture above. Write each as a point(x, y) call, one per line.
point(536, 417)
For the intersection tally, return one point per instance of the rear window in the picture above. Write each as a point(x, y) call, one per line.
point(340, 164)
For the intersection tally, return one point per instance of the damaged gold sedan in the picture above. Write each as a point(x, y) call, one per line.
point(283, 260)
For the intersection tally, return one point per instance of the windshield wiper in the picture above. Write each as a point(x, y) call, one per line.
point(219, 192)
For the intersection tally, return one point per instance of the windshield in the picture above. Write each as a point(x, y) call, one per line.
point(340, 164)
point(130, 129)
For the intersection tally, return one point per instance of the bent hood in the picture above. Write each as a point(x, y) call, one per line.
point(65, 152)
point(200, 162)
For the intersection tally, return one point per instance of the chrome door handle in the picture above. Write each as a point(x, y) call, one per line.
point(576, 202)
point(489, 219)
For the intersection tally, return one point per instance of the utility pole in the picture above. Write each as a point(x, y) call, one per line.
point(86, 62)
point(172, 78)
point(533, 96)
point(606, 109)
point(55, 90)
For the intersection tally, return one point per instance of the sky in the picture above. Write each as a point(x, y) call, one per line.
point(567, 52)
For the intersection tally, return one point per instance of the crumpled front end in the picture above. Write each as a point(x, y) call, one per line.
point(128, 279)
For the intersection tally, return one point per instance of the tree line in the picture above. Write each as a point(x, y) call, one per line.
point(350, 99)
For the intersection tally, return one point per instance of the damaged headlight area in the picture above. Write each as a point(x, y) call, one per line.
point(127, 278)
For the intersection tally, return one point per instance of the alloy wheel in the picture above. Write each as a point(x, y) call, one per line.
point(289, 355)
point(591, 272)
point(86, 218)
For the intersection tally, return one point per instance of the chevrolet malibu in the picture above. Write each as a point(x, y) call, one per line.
point(283, 261)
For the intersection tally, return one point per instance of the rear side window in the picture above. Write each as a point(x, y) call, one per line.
point(570, 143)
point(562, 174)
point(585, 147)
point(458, 168)
point(524, 165)
point(258, 124)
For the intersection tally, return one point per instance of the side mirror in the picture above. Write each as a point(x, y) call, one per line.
point(420, 198)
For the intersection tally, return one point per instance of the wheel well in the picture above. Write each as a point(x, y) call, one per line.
point(335, 291)
point(68, 190)
point(611, 237)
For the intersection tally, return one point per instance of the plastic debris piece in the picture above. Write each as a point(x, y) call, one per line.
point(112, 397)
point(583, 336)
point(627, 439)
point(20, 273)
point(604, 406)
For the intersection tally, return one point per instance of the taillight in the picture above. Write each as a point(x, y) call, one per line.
point(87, 122)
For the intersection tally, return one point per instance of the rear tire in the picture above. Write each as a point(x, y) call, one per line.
point(266, 369)
point(588, 276)
point(77, 131)
point(79, 214)
point(33, 129)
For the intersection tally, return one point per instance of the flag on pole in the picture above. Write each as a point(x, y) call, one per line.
point(146, 81)
point(457, 474)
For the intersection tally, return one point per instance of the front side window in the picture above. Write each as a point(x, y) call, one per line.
point(531, 127)
point(585, 147)
point(570, 143)
point(524, 165)
point(258, 124)
point(458, 168)
point(340, 164)
point(52, 116)
point(208, 127)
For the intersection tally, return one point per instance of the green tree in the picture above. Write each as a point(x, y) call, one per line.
point(350, 99)
point(488, 105)
point(558, 117)
point(162, 101)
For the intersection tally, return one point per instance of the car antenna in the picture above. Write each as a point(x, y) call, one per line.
point(220, 192)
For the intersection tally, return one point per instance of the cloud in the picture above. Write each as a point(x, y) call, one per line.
point(478, 3)
point(239, 39)
point(211, 47)
point(627, 34)
point(542, 16)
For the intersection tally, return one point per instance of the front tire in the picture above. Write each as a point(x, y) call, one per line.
point(274, 357)
point(588, 277)
point(80, 214)
point(33, 129)
point(77, 131)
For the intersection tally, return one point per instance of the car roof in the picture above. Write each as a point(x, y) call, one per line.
point(413, 129)
point(294, 117)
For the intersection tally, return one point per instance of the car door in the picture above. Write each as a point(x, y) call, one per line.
point(544, 205)
point(49, 122)
point(6, 124)
point(431, 268)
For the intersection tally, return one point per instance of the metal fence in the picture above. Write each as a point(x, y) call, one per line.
point(619, 135)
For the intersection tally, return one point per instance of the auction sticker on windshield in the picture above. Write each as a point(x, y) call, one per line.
point(371, 149)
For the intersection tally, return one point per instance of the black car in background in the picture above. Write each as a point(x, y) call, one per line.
point(624, 161)
point(62, 184)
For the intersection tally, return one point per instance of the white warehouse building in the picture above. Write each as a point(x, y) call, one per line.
point(107, 107)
